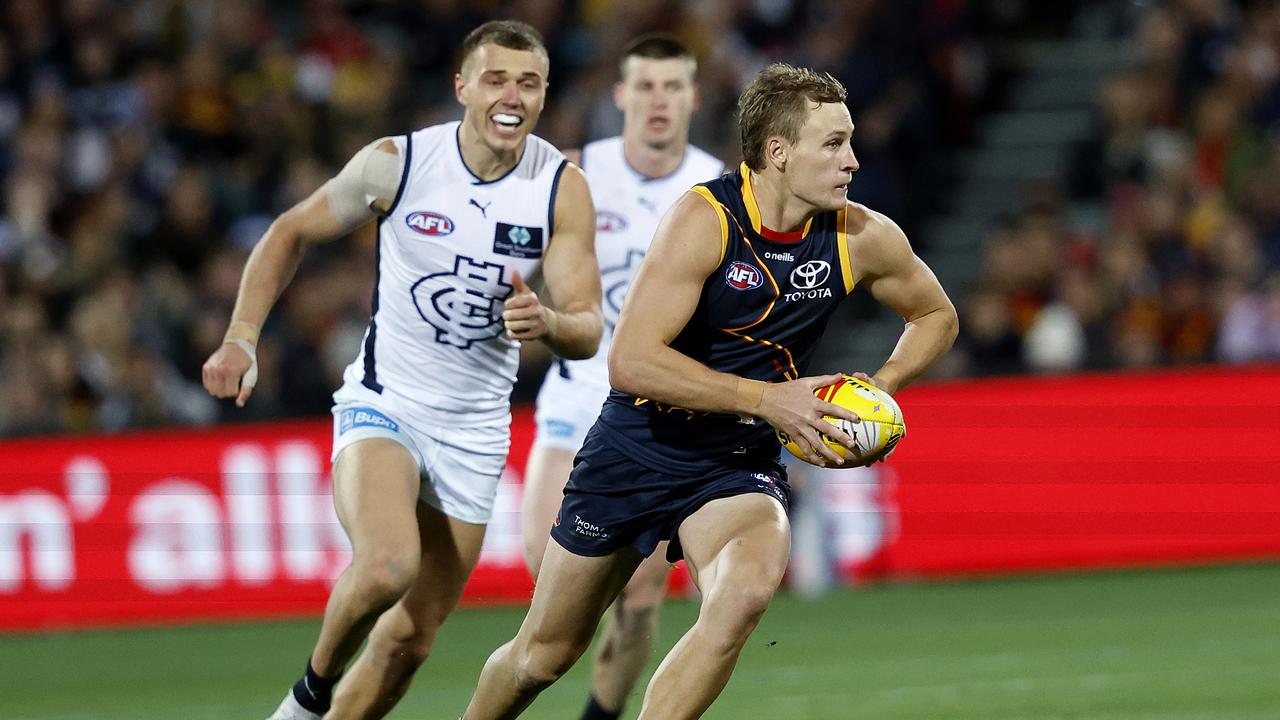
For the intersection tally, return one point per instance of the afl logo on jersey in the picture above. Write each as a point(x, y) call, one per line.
point(429, 223)
point(610, 222)
point(743, 276)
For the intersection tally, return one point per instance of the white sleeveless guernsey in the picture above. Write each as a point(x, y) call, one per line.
point(446, 253)
point(628, 208)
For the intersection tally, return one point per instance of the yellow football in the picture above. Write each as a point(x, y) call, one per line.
point(882, 425)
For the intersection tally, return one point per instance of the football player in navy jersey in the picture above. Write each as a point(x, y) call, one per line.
point(707, 362)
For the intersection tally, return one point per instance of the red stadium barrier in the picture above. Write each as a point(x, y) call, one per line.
point(1045, 473)
point(995, 476)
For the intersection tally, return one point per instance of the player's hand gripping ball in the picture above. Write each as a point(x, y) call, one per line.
point(875, 438)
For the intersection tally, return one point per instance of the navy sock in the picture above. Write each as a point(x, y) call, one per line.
point(313, 692)
point(593, 711)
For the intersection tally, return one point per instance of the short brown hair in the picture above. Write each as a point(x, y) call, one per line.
point(777, 102)
point(655, 46)
point(510, 34)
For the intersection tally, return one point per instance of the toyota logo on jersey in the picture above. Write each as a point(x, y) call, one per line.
point(808, 280)
point(743, 276)
point(810, 275)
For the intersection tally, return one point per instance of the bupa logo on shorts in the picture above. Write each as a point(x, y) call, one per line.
point(559, 428)
point(608, 221)
point(743, 276)
point(517, 241)
point(429, 223)
point(355, 417)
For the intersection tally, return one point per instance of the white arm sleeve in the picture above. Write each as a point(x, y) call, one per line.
point(370, 175)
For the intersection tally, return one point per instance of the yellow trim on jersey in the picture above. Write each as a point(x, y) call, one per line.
point(749, 198)
point(753, 208)
point(842, 246)
point(777, 293)
point(721, 211)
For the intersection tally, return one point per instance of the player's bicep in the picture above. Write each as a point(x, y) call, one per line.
point(686, 248)
point(569, 267)
point(894, 275)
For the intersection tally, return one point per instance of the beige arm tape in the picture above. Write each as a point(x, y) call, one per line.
point(371, 174)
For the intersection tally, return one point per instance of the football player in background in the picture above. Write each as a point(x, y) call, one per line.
point(634, 179)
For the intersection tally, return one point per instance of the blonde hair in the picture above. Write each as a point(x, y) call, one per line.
point(777, 102)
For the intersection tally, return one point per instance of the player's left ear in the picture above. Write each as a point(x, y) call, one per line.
point(775, 152)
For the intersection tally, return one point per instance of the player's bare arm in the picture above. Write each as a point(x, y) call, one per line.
point(898, 279)
point(685, 251)
point(362, 190)
point(572, 329)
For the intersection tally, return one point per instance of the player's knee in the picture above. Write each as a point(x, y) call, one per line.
point(412, 652)
point(636, 614)
point(541, 665)
point(386, 576)
point(533, 551)
point(742, 606)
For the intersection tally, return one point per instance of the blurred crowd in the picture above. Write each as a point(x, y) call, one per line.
point(146, 145)
point(1161, 246)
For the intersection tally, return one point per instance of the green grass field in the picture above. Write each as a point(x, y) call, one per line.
point(1190, 644)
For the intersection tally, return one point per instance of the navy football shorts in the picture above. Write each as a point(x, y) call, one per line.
point(613, 501)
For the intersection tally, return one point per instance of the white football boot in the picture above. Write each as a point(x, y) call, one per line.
point(290, 710)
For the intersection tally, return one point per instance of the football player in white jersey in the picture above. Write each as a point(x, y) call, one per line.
point(634, 179)
point(465, 212)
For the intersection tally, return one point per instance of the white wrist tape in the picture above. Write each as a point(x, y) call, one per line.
point(250, 377)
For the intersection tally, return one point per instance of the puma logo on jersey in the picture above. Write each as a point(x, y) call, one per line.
point(484, 209)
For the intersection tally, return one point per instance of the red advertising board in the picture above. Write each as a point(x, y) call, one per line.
point(994, 476)
point(232, 522)
point(1043, 473)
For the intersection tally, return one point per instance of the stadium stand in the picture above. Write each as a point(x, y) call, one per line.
point(144, 146)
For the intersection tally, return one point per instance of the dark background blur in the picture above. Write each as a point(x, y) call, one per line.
point(1096, 183)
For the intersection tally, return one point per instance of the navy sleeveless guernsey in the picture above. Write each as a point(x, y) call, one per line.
point(760, 316)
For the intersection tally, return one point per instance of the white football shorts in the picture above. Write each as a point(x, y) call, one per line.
point(458, 467)
point(568, 406)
